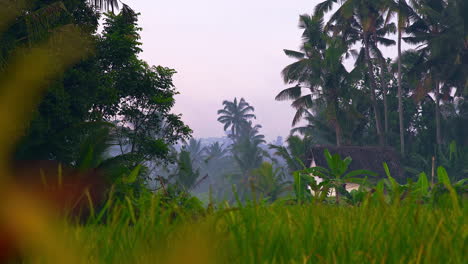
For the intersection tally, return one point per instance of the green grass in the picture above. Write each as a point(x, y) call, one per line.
point(278, 233)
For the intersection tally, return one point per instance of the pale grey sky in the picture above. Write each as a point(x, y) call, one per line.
point(224, 49)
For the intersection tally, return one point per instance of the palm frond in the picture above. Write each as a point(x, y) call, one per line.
point(294, 54)
point(105, 4)
point(289, 93)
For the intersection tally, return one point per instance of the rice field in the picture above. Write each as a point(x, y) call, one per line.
point(152, 232)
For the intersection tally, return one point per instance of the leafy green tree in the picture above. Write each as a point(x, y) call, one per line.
point(138, 97)
point(69, 96)
point(111, 85)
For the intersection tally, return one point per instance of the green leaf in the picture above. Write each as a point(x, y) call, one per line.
point(423, 184)
point(347, 161)
point(355, 173)
point(133, 175)
point(320, 172)
point(387, 170)
point(443, 176)
point(86, 163)
point(329, 159)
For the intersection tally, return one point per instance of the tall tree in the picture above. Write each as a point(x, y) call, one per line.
point(139, 98)
point(318, 68)
point(404, 13)
point(112, 84)
point(246, 148)
point(235, 115)
point(359, 21)
point(196, 150)
point(431, 22)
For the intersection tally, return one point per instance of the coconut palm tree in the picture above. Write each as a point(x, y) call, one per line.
point(235, 115)
point(186, 175)
point(316, 128)
point(215, 151)
point(360, 21)
point(319, 69)
point(246, 149)
point(196, 150)
point(296, 152)
point(404, 13)
point(431, 23)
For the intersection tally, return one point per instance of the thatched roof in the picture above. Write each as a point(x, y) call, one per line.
point(368, 158)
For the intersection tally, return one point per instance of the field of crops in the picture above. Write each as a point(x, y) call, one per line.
point(152, 231)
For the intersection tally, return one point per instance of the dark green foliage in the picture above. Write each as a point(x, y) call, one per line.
point(112, 85)
point(334, 177)
point(319, 68)
point(433, 79)
point(387, 191)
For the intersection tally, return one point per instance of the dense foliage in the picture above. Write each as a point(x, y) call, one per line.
point(416, 102)
point(111, 110)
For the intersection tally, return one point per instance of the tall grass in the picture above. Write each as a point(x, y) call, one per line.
point(278, 233)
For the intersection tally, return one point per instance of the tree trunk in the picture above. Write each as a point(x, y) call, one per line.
point(338, 130)
point(338, 133)
point(437, 113)
point(383, 65)
point(370, 67)
point(400, 99)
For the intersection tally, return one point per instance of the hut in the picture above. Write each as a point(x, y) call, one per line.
point(368, 158)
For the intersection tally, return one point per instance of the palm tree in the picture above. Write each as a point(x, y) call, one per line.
point(318, 68)
point(404, 12)
point(215, 151)
point(186, 175)
point(379, 38)
point(316, 128)
point(246, 149)
point(235, 115)
point(296, 152)
point(431, 22)
point(360, 21)
point(106, 4)
point(196, 150)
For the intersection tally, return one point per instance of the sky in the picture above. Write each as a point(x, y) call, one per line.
point(223, 49)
